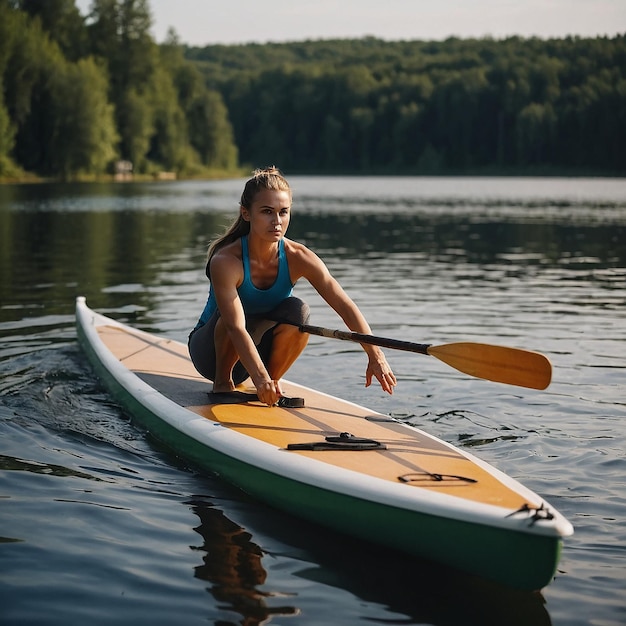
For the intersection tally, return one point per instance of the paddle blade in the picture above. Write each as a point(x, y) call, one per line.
point(497, 363)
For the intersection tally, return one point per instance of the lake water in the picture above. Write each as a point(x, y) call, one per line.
point(100, 525)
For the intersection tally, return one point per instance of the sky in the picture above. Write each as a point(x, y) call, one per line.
point(205, 22)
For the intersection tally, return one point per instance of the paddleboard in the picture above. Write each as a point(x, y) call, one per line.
point(332, 462)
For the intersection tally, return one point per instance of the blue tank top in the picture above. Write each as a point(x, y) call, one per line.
point(255, 301)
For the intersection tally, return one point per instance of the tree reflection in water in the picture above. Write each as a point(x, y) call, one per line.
point(232, 564)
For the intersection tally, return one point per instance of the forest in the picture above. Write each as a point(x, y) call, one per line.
point(80, 93)
point(455, 106)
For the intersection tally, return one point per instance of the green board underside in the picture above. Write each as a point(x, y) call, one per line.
point(500, 555)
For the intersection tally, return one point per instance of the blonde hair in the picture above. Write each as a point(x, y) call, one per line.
point(267, 178)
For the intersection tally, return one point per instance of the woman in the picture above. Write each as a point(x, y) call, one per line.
point(252, 269)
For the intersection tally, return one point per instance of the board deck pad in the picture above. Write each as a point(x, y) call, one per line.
point(405, 455)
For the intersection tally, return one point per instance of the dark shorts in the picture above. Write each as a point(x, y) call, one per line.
point(261, 327)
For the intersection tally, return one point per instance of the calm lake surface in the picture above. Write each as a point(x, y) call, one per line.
point(100, 525)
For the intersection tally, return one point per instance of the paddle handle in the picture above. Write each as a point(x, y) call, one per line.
point(396, 344)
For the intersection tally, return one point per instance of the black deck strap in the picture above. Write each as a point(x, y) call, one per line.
point(240, 397)
point(231, 397)
point(344, 441)
point(291, 403)
point(413, 478)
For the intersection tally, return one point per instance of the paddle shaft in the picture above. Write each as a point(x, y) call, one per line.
point(383, 342)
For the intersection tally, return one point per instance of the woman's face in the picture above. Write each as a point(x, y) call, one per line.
point(269, 214)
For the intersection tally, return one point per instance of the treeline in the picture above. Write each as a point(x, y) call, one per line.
point(79, 94)
point(501, 106)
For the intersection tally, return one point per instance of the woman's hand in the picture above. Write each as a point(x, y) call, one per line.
point(269, 392)
point(378, 367)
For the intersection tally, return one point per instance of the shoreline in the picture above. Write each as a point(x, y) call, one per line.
point(168, 177)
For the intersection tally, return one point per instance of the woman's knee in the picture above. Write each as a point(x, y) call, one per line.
point(292, 310)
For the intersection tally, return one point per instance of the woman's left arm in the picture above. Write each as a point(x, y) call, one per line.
point(311, 267)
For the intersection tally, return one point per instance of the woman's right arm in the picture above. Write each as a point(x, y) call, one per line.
point(226, 274)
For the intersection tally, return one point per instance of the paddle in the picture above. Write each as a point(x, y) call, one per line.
point(496, 363)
